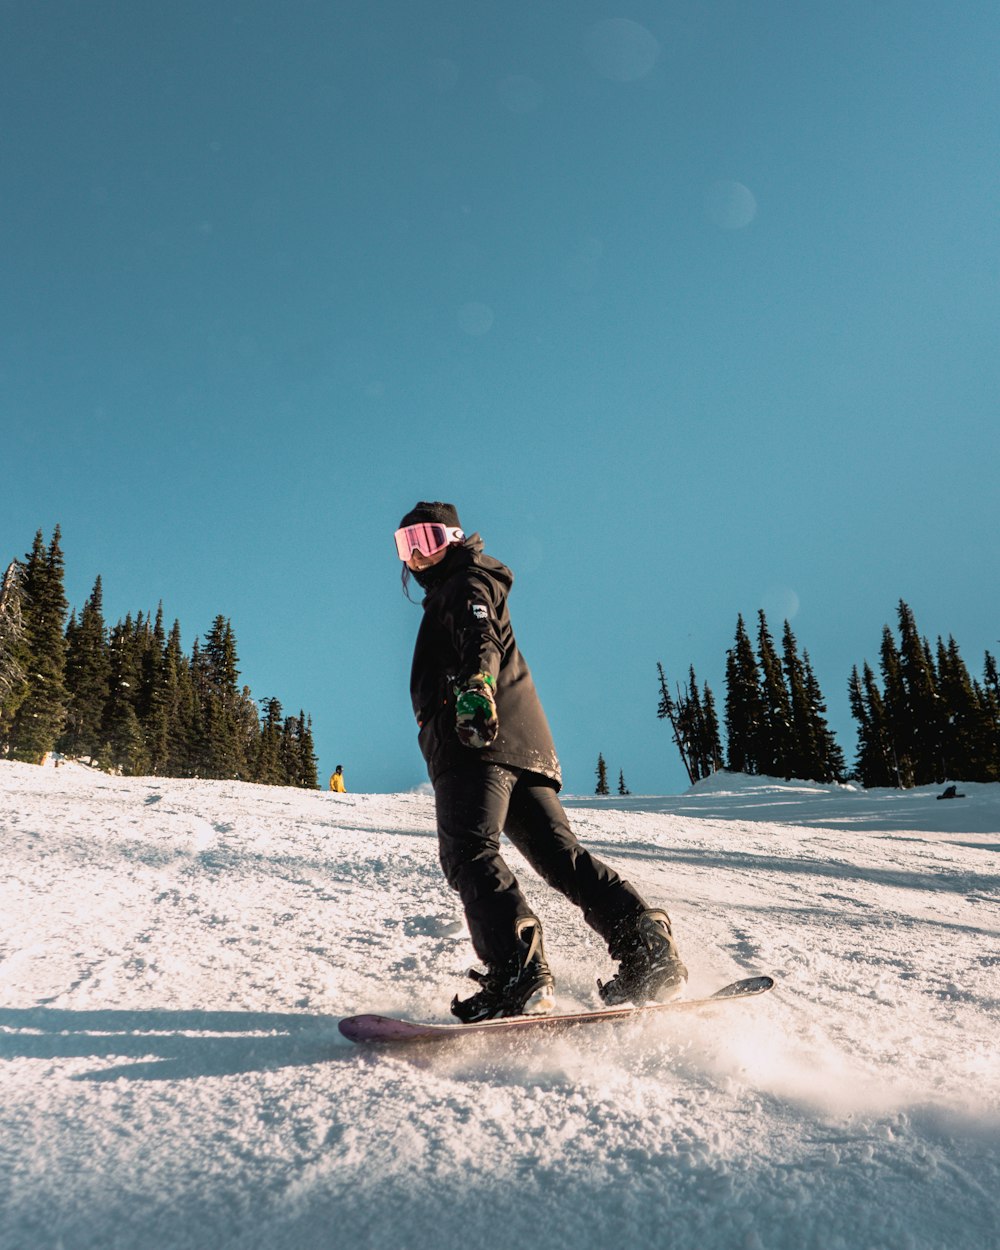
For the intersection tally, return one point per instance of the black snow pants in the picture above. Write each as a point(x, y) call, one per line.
point(476, 803)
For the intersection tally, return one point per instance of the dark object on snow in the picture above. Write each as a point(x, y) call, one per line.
point(951, 793)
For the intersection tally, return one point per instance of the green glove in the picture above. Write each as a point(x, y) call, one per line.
point(476, 711)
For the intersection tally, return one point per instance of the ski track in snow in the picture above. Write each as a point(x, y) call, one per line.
point(175, 955)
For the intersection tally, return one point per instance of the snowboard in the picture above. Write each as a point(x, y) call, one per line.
point(371, 1028)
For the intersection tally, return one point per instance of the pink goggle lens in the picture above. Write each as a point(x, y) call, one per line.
point(428, 538)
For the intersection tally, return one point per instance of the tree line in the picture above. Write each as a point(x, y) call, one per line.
point(926, 720)
point(929, 719)
point(127, 698)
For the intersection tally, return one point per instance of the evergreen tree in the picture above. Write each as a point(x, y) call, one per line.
point(602, 776)
point(860, 712)
point(897, 714)
point(219, 655)
point(246, 720)
point(695, 724)
point(744, 705)
point(668, 710)
point(963, 744)
point(713, 737)
point(223, 753)
point(88, 678)
point(712, 756)
point(124, 743)
point(777, 739)
point(701, 724)
point(831, 763)
point(218, 756)
point(13, 648)
point(298, 760)
point(689, 721)
point(815, 754)
point(923, 720)
point(182, 710)
point(268, 764)
point(155, 695)
point(197, 744)
point(622, 787)
point(990, 700)
point(40, 716)
point(991, 682)
point(310, 776)
point(296, 755)
point(874, 765)
point(806, 757)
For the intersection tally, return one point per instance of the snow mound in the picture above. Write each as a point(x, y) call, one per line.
point(175, 956)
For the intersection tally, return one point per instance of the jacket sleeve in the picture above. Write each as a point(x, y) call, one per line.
point(475, 609)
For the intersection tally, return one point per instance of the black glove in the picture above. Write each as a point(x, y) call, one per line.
point(476, 711)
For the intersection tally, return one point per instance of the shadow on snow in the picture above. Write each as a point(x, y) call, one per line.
point(172, 1045)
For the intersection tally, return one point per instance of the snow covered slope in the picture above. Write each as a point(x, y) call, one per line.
point(176, 955)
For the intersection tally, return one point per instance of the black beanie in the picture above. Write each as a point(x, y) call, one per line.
point(441, 513)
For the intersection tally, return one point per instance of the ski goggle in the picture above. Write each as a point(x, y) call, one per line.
point(428, 538)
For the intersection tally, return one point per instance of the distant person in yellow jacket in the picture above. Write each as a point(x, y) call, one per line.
point(337, 780)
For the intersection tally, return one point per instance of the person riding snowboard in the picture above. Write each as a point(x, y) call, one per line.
point(494, 769)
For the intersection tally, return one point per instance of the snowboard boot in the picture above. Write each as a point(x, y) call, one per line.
point(521, 986)
point(649, 965)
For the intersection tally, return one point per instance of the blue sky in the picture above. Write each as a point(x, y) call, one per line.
point(690, 308)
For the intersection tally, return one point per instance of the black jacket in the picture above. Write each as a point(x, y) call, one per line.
point(466, 630)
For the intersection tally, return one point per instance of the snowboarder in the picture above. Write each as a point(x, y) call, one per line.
point(494, 769)
point(337, 780)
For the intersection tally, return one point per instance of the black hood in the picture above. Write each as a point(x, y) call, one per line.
point(461, 556)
